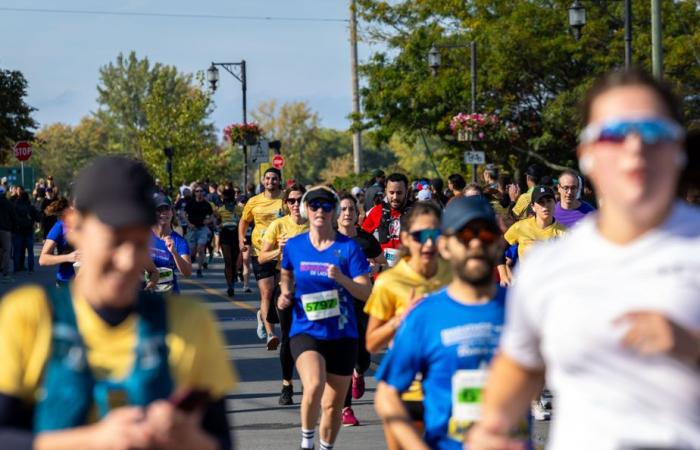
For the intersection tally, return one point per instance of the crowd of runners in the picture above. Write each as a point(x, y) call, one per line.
point(486, 305)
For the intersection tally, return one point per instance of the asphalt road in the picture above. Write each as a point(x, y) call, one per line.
point(257, 421)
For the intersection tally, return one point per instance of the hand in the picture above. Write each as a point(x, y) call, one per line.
point(285, 300)
point(281, 243)
point(651, 333)
point(170, 244)
point(174, 429)
point(513, 192)
point(73, 256)
point(243, 246)
point(490, 433)
point(333, 272)
point(122, 429)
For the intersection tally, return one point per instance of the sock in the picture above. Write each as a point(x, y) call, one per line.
point(326, 446)
point(307, 438)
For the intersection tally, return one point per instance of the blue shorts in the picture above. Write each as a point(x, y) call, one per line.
point(198, 237)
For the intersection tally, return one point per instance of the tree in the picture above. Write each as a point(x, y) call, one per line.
point(16, 122)
point(530, 70)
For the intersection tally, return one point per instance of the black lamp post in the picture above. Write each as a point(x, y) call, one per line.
point(238, 70)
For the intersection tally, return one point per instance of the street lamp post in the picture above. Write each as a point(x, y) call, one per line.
point(238, 70)
point(577, 18)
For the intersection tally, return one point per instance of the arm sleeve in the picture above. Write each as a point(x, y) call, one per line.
point(401, 364)
point(521, 204)
point(55, 232)
point(357, 264)
point(372, 219)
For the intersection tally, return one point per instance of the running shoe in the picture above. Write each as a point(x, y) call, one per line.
point(539, 412)
point(272, 342)
point(358, 385)
point(205, 265)
point(286, 395)
point(199, 273)
point(261, 327)
point(248, 291)
point(230, 292)
point(349, 419)
point(546, 399)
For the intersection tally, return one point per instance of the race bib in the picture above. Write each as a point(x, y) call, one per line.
point(467, 386)
point(166, 278)
point(321, 305)
point(392, 256)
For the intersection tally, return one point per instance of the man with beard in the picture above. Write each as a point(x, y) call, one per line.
point(384, 219)
point(450, 336)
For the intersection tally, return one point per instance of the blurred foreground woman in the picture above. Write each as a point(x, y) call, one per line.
point(611, 313)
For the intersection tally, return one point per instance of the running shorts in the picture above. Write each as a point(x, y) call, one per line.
point(264, 270)
point(340, 354)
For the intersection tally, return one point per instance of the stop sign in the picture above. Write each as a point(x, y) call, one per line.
point(23, 150)
point(278, 162)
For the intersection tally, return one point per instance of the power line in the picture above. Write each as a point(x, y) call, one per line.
point(172, 15)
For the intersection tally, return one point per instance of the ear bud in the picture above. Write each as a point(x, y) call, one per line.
point(681, 160)
point(585, 163)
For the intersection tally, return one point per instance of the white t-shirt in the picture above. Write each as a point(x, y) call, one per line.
point(561, 313)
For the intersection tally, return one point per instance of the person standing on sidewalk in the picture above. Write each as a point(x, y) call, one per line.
point(8, 222)
point(260, 211)
point(23, 237)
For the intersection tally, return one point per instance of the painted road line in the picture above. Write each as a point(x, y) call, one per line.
point(216, 293)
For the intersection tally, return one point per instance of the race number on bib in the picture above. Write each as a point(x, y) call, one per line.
point(392, 256)
point(321, 305)
point(467, 386)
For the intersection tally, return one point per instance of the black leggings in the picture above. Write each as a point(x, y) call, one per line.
point(286, 359)
point(363, 356)
point(230, 250)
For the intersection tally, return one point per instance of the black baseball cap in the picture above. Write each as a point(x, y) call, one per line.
point(118, 190)
point(320, 193)
point(540, 192)
point(462, 210)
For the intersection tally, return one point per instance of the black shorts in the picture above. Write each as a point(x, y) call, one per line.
point(264, 270)
point(340, 354)
point(415, 410)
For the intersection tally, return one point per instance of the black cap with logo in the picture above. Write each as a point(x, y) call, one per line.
point(540, 192)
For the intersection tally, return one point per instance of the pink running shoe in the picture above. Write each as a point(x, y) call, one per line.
point(358, 386)
point(349, 419)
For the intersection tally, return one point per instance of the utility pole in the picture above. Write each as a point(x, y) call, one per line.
point(357, 134)
point(472, 47)
point(628, 34)
point(657, 55)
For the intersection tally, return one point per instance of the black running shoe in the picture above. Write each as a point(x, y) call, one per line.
point(205, 265)
point(230, 292)
point(286, 395)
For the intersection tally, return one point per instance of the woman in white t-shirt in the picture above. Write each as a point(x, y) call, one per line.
point(611, 313)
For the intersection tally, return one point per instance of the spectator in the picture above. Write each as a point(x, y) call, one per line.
point(533, 174)
point(375, 188)
point(7, 224)
point(490, 176)
point(23, 237)
point(473, 189)
point(456, 185)
point(47, 220)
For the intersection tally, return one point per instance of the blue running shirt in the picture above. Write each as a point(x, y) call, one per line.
point(65, 271)
point(438, 338)
point(310, 268)
point(162, 258)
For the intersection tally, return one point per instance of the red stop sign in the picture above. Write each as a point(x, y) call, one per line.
point(23, 150)
point(278, 162)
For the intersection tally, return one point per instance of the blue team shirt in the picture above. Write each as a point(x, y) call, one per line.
point(65, 271)
point(310, 268)
point(162, 258)
point(439, 337)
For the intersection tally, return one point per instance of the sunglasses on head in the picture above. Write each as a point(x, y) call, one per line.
point(422, 236)
point(292, 201)
point(325, 206)
point(485, 234)
point(651, 131)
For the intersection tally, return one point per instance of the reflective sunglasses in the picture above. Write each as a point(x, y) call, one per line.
point(422, 236)
point(651, 131)
point(486, 235)
point(292, 201)
point(325, 206)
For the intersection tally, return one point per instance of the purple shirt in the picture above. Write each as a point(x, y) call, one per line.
point(569, 217)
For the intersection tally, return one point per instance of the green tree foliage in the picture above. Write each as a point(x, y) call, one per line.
point(16, 122)
point(530, 69)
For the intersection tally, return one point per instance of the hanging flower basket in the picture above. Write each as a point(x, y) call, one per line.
point(475, 127)
point(243, 134)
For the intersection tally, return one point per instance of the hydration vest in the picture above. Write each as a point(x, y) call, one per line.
point(69, 390)
point(382, 231)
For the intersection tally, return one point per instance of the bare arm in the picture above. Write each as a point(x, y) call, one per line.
point(395, 418)
point(286, 298)
point(183, 263)
point(242, 230)
point(47, 258)
point(380, 332)
point(269, 252)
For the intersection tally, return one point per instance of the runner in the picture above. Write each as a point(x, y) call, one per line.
point(570, 209)
point(228, 215)
point(417, 273)
point(384, 219)
point(105, 382)
point(322, 271)
point(617, 331)
point(347, 226)
point(274, 241)
point(450, 336)
point(56, 242)
point(199, 214)
point(261, 210)
point(169, 250)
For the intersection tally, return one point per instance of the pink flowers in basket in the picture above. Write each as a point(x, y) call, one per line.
point(243, 134)
point(475, 127)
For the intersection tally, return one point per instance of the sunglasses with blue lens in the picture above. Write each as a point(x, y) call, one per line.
point(325, 206)
point(422, 236)
point(651, 131)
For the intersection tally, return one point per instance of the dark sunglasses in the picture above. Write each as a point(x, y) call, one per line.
point(486, 235)
point(422, 236)
point(292, 201)
point(325, 206)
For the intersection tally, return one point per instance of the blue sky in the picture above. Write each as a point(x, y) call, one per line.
point(60, 54)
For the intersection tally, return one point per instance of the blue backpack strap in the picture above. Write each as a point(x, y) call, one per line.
point(65, 394)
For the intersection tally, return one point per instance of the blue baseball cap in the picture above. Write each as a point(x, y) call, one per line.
point(462, 210)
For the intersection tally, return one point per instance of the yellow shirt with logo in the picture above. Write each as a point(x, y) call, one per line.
point(197, 355)
point(284, 227)
point(229, 219)
point(391, 294)
point(261, 211)
point(521, 204)
point(526, 233)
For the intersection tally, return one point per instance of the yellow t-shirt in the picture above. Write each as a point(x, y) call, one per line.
point(261, 211)
point(526, 233)
point(229, 219)
point(197, 356)
point(391, 293)
point(284, 227)
point(521, 204)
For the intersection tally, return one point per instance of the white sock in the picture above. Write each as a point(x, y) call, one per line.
point(307, 438)
point(326, 446)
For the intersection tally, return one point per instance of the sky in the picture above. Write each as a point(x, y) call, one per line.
point(60, 54)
